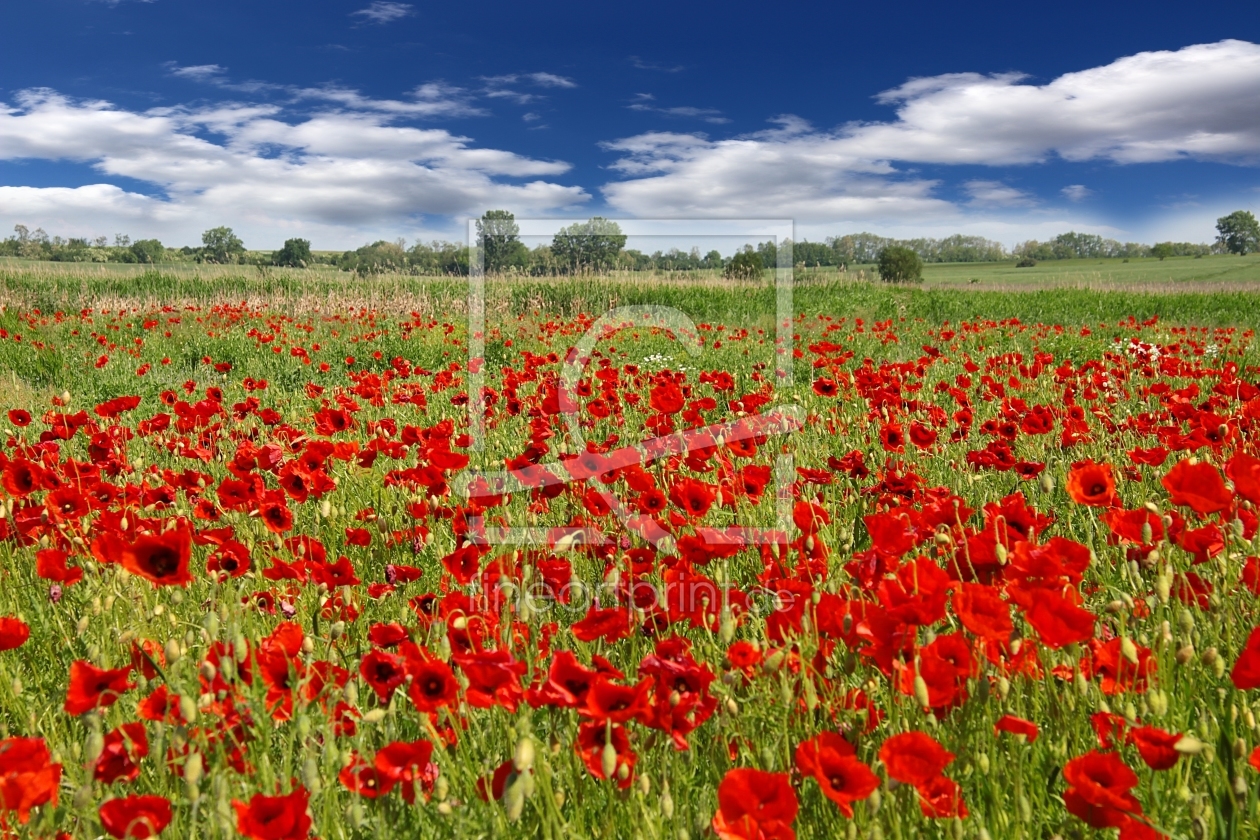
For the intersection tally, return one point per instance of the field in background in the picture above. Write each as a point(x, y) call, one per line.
point(1208, 292)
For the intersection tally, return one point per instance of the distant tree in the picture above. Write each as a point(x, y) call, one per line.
point(746, 265)
point(148, 251)
point(1239, 232)
point(1163, 250)
point(222, 245)
point(899, 265)
point(588, 246)
point(296, 253)
point(713, 259)
point(380, 257)
point(498, 237)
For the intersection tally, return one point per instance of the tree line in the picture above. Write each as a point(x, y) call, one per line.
point(598, 245)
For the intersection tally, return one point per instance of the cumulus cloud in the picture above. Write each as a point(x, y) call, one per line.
point(1076, 192)
point(346, 169)
point(383, 11)
point(1201, 102)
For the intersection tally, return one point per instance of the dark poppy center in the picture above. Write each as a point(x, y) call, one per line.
point(164, 562)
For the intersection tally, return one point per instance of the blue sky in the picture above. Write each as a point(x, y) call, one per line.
point(345, 122)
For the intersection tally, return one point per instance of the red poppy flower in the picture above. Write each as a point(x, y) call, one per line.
point(433, 684)
point(161, 559)
point(914, 758)
point(493, 678)
point(19, 417)
point(407, 764)
point(1017, 726)
point(384, 672)
point(1058, 621)
point(13, 633)
point(276, 516)
point(1098, 792)
point(619, 703)
point(28, 778)
point(844, 779)
point(50, 564)
point(693, 496)
point(941, 798)
point(137, 817)
point(1198, 487)
point(91, 687)
point(755, 804)
point(1246, 671)
point(1092, 484)
point(591, 741)
point(120, 758)
point(1156, 746)
point(610, 624)
point(825, 387)
point(21, 478)
point(274, 817)
point(1244, 471)
point(982, 611)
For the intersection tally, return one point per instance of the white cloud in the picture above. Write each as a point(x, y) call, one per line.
point(663, 68)
point(351, 173)
point(996, 194)
point(434, 99)
point(643, 102)
point(1201, 102)
point(383, 11)
point(540, 79)
point(1076, 192)
point(198, 72)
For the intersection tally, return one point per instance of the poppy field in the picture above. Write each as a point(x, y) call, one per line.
point(261, 576)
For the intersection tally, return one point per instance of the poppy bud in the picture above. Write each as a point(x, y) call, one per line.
point(1240, 748)
point(982, 761)
point(608, 759)
point(1189, 745)
point(94, 746)
point(310, 776)
point(523, 757)
point(874, 801)
point(188, 708)
point(1147, 534)
point(337, 630)
point(921, 691)
point(193, 769)
point(1185, 621)
point(1000, 551)
point(441, 788)
point(1047, 483)
point(374, 716)
point(1129, 650)
point(514, 799)
point(667, 802)
point(1185, 653)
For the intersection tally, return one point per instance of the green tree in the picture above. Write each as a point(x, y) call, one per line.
point(588, 246)
point(296, 253)
point(148, 251)
point(222, 245)
point(498, 237)
point(899, 265)
point(1163, 250)
point(745, 265)
point(1239, 232)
